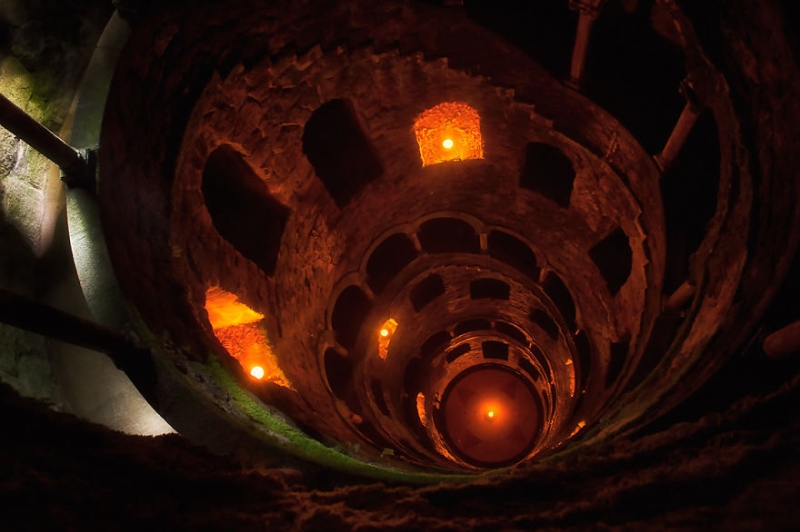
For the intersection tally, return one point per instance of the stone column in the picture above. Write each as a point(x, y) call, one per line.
point(680, 297)
point(684, 125)
point(783, 342)
point(588, 11)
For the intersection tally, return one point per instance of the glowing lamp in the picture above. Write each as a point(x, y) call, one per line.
point(450, 131)
point(237, 328)
point(385, 336)
point(490, 415)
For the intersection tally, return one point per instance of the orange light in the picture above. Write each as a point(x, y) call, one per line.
point(385, 337)
point(490, 415)
point(236, 326)
point(224, 309)
point(421, 411)
point(578, 428)
point(450, 131)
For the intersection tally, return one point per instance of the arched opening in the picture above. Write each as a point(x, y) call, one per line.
point(548, 172)
point(545, 322)
point(513, 251)
point(435, 343)
point(526, 366)
point(338, 371)
point(613, 257)
point(426, 291)
point(448, 235)
point(388, 259)
point(377, 394)
point(349, 313)
point(457, 352)
point(489, 289)
point(584, 350)
point(559, 294)
point(449, 132)
point(340, 151)
point(511, 331)
point(495, 350)
point(616, 361)
point(467, 326)
point(242, 210)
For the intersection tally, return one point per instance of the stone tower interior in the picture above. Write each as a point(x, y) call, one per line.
point(401, 265)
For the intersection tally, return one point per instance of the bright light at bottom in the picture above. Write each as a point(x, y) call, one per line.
point(447, 144)
point(257, 372)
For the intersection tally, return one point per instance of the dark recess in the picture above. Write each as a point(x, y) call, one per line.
point(434, 344)
point(548, 172)
point(478, 324)
point(340, 151)
point(242, 210)
point(339, 371)
point(559, 294)
point(489, 289)
point(689, 189)
point(512, 332)
point(388, 259)
point(377, 394)
point(539, 356)
point(348, 315)
point(514, 252)
point(448, 235)
point(495, 350)
point(584, 350)
point(526, 366)
point(613, 256)
point(540, 318)
point(616, 362)
point(426, 291)
point(411, 376)
point(458, 351)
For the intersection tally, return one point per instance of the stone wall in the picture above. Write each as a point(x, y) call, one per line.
point(44, 48)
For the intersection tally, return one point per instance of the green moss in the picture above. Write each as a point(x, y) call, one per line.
point(300, 445)
point(289, 439)
point(17, 84)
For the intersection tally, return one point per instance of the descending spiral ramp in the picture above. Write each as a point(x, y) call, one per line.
point(424, 253)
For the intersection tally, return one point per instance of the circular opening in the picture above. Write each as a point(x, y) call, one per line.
point(491, 416)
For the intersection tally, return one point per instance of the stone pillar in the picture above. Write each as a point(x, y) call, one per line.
point(588, 11)
point(684, 125)
point(783, 342)
point(680, 297)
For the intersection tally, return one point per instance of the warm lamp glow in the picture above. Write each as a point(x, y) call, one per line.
point(385, 337)
point(578, 428)
point(236, 326)
point(224, 309)
point(490, 415)
point(421, 412)
point(449, 132)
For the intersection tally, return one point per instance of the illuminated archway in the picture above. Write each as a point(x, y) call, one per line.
point(236, 327)
point(449, 132)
